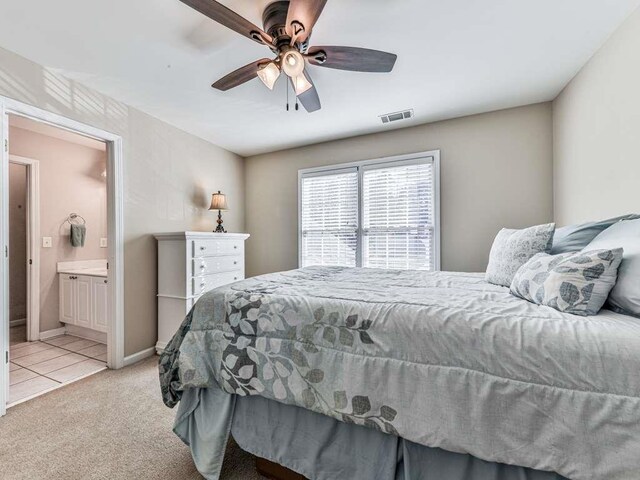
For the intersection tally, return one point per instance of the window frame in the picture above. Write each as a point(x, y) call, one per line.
point(432, 156)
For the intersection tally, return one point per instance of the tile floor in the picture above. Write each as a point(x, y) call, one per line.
point(37, 367)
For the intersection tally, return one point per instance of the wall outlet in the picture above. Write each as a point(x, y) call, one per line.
point(47, 242)
point(103, 243)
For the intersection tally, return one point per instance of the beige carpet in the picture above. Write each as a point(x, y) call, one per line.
point(112, 425)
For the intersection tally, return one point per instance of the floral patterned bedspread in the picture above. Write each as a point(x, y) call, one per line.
point(442, 359)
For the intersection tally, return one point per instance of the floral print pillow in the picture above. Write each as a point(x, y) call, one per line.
point(577, 283)
point(513, 248)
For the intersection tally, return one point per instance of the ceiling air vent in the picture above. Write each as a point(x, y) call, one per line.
point(394, 117)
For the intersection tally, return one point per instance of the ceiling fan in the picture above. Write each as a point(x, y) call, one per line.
point(287, 29)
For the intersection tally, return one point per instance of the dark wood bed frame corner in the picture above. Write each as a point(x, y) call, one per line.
point(273, 471)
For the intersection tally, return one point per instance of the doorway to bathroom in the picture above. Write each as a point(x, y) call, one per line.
point(24, 271)
point(61, 272)
point(58, 257)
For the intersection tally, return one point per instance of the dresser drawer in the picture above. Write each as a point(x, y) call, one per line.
point(204, 283)
point(208, 265)
point(212, 248)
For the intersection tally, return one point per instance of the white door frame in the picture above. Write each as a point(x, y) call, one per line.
point(33, 250)
point(115, 217)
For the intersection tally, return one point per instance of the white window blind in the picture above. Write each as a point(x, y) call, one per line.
point(378, 214)
point(398, 218)
point(330, 219)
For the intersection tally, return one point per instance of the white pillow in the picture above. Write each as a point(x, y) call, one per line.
point(625, 296)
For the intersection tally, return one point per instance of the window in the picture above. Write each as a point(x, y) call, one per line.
point(378, 214)
point(330, 218)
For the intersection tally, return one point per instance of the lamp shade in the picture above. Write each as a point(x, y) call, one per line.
point(293, 63)
point(301, 84)
point(269, 74)
point(219, 202)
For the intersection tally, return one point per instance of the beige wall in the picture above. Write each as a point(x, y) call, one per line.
point(70, 181)
point(169, 177)
point(597, 133)
point(496, 171)
point(18, 242)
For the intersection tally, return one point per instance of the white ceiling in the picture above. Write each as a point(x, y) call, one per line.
point(456, 57)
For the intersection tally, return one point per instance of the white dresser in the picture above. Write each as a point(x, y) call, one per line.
point(189, 265)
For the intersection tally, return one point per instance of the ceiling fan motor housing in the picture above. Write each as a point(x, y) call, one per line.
point(274, 19)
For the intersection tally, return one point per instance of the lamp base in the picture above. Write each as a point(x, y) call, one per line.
point(219, 228)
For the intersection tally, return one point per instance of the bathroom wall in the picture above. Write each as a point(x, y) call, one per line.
point(70, 181)
point(18, 242)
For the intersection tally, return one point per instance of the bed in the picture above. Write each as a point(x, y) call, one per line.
point(443, 362)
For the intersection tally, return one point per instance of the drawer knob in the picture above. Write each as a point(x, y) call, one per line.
point(106, 281)
point(203, 247)
point(235, 262)
point(203, 284)
point(235, 247)
point(203, 266)
point(235, 278)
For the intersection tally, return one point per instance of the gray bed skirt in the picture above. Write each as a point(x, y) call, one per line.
point(319, 447)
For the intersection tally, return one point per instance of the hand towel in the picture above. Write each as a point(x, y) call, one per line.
point(78, 234)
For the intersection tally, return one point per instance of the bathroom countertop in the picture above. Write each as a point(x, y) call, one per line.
point(90, 272)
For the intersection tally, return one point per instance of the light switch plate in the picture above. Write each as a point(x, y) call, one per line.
point(47, 242)
point(103, 243)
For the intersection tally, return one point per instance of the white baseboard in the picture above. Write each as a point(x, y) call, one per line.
point(17, 323)
point(160, 346)
point(86, 333)
point(56, 332)
point(136, 357)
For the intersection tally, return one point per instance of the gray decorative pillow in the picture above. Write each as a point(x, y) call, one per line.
point(576, 283)
point(513, 248)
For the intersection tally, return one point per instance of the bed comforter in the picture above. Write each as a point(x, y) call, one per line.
point(441, 359)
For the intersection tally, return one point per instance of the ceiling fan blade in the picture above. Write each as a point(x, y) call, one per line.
point(230, 19)
point(240, 76)
point(352, 58)
point(305, 13)
point(309, 99)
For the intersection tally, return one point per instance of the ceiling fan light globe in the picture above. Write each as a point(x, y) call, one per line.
point(301, 84)
point(269, 74)
point(293, 63)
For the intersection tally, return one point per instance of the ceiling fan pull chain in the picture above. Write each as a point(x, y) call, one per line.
point(286, 87)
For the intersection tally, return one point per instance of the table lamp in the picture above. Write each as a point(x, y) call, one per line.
point(219, 202)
